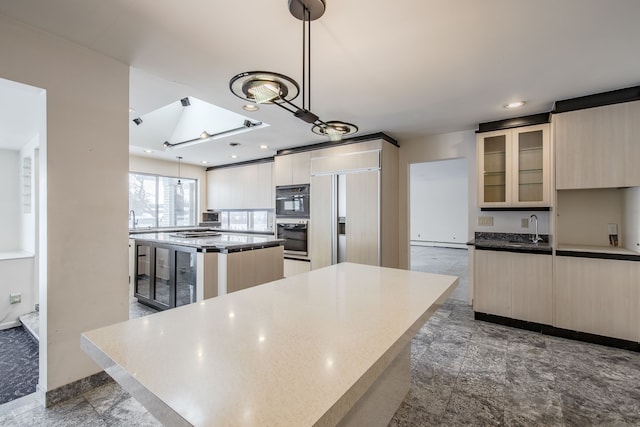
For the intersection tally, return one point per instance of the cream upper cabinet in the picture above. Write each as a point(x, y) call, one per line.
point(514, 167)
point(598, 147)
point(292, 169)
point(242, 187)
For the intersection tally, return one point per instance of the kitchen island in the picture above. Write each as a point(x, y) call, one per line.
point(177, 268)
point(320, 348)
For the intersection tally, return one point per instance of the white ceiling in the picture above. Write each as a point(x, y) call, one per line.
point(411, 68)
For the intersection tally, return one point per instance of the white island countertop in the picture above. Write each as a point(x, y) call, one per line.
point(299, 351)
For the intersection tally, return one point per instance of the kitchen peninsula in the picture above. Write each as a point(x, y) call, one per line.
point(320, 348)
point(182, 267)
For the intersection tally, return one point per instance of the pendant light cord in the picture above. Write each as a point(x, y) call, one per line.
point(306, 59)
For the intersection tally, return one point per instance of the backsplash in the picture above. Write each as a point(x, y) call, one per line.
point(511, 221)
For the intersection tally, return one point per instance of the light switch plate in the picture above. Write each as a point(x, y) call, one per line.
point(485, 220)
point(15, 298)
point(524, 223)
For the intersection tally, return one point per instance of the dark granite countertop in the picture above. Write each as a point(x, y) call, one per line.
point(511, 242)
point(225, 242)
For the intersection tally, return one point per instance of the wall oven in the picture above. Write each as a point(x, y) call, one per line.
point(292, 201)
point(295, 233)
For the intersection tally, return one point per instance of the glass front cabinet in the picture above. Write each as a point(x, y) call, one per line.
point(513, 167)
point(165, 275)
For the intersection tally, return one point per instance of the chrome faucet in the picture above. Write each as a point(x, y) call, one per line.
point(537, 237)
point(132, 213)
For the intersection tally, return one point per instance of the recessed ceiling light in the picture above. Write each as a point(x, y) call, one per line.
point(516, 104)
point(204, 162)
point(132, 110)
point(264, 147)
point(234, 156)
point(148, 151)
point(250, 107)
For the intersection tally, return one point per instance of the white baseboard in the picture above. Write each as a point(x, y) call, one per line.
point(9, 325)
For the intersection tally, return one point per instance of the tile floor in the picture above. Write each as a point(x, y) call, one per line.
point(464, 372)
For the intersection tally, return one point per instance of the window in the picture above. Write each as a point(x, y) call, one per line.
point(251, 220)
point(158, 201)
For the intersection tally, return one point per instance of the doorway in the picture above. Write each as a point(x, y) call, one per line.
point(439, 219)
point(22, 134)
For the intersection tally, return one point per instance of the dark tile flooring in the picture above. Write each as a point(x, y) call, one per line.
point(466, 372)
point(463, 373)
point(18, 364)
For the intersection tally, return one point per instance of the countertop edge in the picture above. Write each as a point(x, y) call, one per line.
point(150, 401)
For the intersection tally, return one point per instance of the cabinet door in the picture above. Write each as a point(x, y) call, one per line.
point(300, 168)
point(632, 146)
point(264, 194)
point(282, 170)
point(590, 147)
point(532, 286)
point(492, 293)
point(293, 267)
point(162, 281)
point(320, 225)
point(185, 277)
point(598, 296)
point(363, 217)
point(531, 159)
point(494, 168)
point(144, 258)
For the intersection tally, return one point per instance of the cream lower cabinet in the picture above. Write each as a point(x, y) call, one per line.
point(241, 270)
point(293, 267)
point(598, 296)
point(514, 285)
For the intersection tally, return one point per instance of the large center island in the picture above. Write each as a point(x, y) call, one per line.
point(327, 347)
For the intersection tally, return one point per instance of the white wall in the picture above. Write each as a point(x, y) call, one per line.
point(10, 206)
point(83, 185)
point(439, 202)
point(16, 276)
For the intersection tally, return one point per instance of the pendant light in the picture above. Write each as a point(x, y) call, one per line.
point(265, 87)
point(179, 184)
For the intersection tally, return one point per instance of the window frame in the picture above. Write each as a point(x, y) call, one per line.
point(157, 178)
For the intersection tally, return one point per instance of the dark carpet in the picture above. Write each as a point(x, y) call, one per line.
point(18, 364)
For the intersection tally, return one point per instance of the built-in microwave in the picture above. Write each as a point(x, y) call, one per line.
point(211, 217)
point(292, 201)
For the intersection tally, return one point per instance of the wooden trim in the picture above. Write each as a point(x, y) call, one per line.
point(597, 100)
point(245, 163)
point(519, 250)
point(329, 144)
point(532, 208)
point(598, 255)
point(516, 122)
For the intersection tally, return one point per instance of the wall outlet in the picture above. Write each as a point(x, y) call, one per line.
point(15, 298)
point(524, 223)
point(485, 221)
